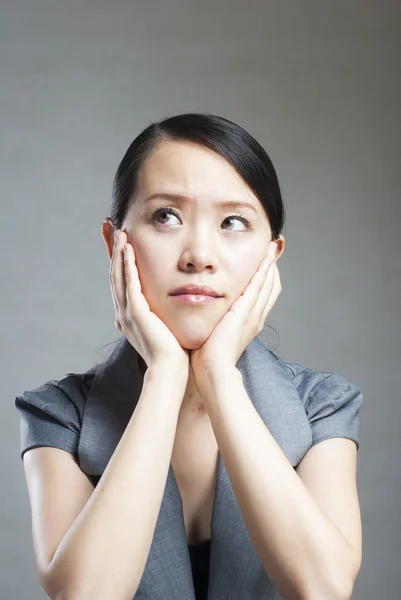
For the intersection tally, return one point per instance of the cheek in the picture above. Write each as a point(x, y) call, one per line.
point(242, 272)
point(150, 268)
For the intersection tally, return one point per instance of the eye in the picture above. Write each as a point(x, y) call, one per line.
point(160, 211)
point(240, 218)
point(169, 211)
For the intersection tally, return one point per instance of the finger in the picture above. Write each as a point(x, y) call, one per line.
point(266, 287)
point(272, 293)
point(264, 296)
point(255, 287)
point(117, 276)
point(111, 272)
point(245, 304)
point(134, 297)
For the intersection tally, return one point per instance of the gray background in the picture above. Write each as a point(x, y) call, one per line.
point(318, 84)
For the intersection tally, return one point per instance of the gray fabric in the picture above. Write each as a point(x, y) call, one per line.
point(86, 415)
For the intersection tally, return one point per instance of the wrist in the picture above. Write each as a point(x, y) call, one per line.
point(168, 371)
point(217, 377)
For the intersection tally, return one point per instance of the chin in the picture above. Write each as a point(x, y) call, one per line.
point(191, 334)
point(191, 340)
point(190, 330)
point(191, 345)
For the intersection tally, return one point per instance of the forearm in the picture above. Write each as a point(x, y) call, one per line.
point(302, 551)
point(104, 553)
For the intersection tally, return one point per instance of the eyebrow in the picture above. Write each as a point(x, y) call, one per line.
point(181, 199)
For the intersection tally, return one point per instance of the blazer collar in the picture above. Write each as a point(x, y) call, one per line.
point(235, 568)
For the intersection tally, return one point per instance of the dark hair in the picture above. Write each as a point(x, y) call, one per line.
point(226, 138)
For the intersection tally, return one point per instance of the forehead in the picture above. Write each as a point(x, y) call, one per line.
point(191, 169)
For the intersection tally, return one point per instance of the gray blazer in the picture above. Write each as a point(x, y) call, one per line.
point(86, 414)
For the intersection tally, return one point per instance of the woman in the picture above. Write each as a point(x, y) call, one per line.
point(193, 462)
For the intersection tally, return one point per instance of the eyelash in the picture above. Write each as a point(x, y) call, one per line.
point(172, 212)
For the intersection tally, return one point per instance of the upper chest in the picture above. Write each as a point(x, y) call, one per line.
point(194, 461)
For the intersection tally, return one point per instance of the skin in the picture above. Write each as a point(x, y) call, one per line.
point(196, 243)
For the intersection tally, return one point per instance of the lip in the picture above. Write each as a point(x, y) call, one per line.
point(195, 298)
point(195, 290)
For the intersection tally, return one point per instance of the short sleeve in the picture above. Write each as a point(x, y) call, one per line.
point(51, 415)
point(332, 404)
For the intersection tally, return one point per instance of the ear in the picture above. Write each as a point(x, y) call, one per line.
point(108, 230)
point(280, 246)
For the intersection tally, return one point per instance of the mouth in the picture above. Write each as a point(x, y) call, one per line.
point(197, 290)
point(195, 298)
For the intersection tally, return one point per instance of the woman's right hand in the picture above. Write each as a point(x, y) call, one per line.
point(150, 337)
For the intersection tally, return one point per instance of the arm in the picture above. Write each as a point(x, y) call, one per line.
point(302, 550)
point(127, 499)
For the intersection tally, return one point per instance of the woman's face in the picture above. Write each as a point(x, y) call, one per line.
point(197, 241)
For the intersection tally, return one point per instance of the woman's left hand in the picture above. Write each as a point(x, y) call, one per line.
point(241, 323)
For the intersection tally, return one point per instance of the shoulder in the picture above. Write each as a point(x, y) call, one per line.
point(70, 391)
point(52, 413)
point(331, 401)
point(314, 384)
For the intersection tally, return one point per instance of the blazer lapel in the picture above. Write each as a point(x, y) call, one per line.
point(235, 569)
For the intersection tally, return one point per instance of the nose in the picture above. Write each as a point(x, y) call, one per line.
point(197, 262)
point(199, 253)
